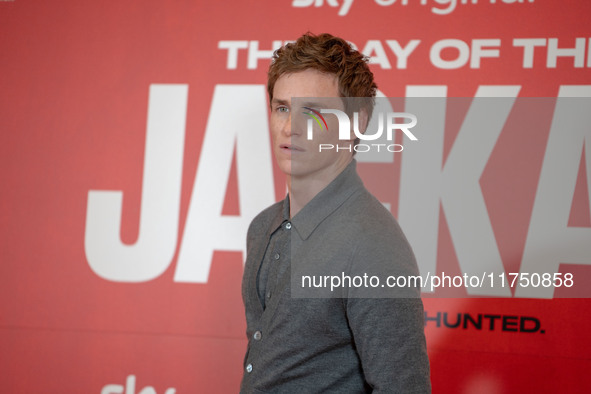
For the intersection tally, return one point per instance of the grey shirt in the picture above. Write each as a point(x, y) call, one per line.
point(342, 343)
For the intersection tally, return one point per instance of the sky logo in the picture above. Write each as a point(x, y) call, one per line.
point(344, 6)
point(129, 388)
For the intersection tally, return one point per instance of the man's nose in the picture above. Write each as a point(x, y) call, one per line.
point(288, 130)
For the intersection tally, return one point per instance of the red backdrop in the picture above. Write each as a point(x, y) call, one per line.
point(158, 109)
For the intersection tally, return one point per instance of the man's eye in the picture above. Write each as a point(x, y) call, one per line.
point(282, 109)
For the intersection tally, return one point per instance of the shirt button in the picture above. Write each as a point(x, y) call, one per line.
point(249, 368)
point(276, 257)
point(257, 336)
point(288, 226)
point(268, 294)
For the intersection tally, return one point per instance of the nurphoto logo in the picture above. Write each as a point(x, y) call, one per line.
point(387, 122)
point(316, 116)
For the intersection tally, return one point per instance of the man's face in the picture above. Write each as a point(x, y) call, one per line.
point(296, 155)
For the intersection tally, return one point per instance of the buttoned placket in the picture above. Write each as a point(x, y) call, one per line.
point(275, 262)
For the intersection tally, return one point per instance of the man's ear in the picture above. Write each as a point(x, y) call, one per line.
point(362, 121)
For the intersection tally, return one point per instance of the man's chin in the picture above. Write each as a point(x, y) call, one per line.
point(285, 166)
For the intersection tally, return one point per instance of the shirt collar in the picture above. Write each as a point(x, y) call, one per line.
point(326, 201)
point(281, 218)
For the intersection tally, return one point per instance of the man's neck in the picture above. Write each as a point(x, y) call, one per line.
point(303, 189)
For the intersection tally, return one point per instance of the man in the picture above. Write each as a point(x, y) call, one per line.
point(343, 341)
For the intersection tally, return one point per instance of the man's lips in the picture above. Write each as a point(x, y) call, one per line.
point(290, 148)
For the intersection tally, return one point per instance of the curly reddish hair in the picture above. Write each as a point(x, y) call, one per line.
point(329, 54)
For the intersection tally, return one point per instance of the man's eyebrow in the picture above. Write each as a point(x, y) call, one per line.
point(322, 103)
point(310, 103)
point(279, 101)
point(313, 104)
